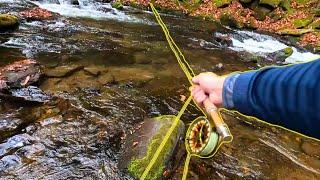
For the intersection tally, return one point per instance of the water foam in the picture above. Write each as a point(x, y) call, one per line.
point(258, 43)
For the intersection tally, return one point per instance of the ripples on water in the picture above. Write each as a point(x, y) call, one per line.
point(122, 73)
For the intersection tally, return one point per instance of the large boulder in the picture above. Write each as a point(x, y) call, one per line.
point(8, 22)
point(144, 142)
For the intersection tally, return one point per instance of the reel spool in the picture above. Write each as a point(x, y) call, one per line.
point(202, 138)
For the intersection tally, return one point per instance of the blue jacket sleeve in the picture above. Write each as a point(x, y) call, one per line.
point(287, 96)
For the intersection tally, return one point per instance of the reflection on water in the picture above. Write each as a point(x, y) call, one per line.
point(108, 75)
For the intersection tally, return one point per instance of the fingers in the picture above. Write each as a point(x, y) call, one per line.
point(198, 95)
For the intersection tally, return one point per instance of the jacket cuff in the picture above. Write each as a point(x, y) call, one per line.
point(227, 91)
point(241, 92)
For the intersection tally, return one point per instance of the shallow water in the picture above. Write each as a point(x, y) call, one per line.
point(109, 70)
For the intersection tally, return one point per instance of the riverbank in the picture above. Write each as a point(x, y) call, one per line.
point(298, 20)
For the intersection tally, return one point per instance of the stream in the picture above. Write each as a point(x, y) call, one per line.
point(110, 69)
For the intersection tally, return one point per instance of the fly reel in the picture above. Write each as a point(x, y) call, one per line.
point(202, 138)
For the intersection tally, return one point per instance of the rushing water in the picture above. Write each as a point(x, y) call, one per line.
point(111, 69)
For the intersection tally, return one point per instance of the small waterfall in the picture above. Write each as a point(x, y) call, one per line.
point(85, 8)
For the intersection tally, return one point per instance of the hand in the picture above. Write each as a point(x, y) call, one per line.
point(208, 86)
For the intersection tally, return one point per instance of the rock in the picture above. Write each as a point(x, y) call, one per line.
point(222, 39)
point(36, 14)
point(310, 148)
point(315, 24)
point(300, 23)
point(280, 56)
point(221, 3)
point(140, 147)
point(75, 2)
point(31, 94)
point(294, 32)
point(19, 74)
point(8, 22)
point(228, 20)
point(246, 1)
point(142, 58)
point(272, 3)
point(117, 5)
point(260, 12)
point(62, 71)
point(286, 5)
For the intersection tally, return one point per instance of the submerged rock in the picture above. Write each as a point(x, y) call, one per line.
point(143, 143)
point(8, 22)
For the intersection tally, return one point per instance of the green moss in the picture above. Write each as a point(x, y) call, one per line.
point(288, 51)
point(221, 3)
point(117, 5)
point(286, 5)
point(300, 23)
point(137, 166)
point(227, 19)
point(295, 32)
point(315, 24)
point(317, 12)
point(8, 22)
point(272, 3)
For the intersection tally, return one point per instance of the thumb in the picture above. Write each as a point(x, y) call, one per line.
point(196, 80)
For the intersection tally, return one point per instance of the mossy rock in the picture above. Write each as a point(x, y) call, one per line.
point(246, 1)
point(142, 145)
point(8, 22)
point(221, 3)
point(260, 12)
point(315, 24)
point(294, 32)
point(228, 20)
point(117, 5)
point(272, 3)
point(317, 12)
point(286, 5)
point(300, 23)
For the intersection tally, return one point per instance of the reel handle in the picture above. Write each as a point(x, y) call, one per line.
point(221, 126)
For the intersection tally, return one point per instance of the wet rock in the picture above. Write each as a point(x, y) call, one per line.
point(222, 39)
point(9, 161)
point(272, 3)
point(95, 70)
point(8, 22)
point(222, 3)
point(280, 56)
point(142, 58)
point(36, 14)
point(31, 94)
point(31, 152)
point(142, 144)
point(9, 125)
point(19, 74)
point(51, 120)
point(75, 2)
point(300, 23)
point(310, 148)
point(15, 142)
point(62, 71)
